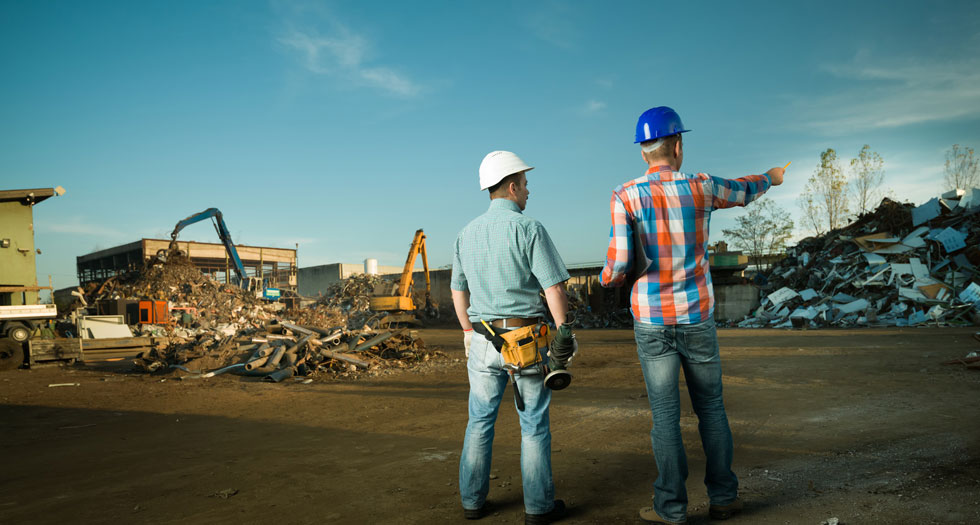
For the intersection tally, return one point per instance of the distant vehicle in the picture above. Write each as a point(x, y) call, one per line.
point(17, 322)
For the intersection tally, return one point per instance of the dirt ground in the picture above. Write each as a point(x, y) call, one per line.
point(866, 426)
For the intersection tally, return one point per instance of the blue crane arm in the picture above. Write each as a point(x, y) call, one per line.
point(223, 234)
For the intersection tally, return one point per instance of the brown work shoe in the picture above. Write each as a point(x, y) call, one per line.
point(723, 512)
point(649, 515)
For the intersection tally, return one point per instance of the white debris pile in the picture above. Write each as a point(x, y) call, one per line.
point(900, 265)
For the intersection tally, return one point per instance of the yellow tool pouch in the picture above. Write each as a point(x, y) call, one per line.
point(524, 345)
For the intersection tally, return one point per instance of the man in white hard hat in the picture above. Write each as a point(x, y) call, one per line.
point(658, 245)
point(501, 261)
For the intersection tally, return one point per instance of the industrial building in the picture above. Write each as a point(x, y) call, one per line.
point(18, 272)
point(277, 266)
point(315, 280)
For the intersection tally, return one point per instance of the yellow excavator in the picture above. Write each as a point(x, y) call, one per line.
point(400, 306)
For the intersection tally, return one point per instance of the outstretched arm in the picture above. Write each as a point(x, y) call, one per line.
point(619, 255)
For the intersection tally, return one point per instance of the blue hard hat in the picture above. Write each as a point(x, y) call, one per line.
point(657, 123)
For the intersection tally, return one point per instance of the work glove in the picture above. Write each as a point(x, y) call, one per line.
point(574, 351)
point(564, 346)
point(467, 337)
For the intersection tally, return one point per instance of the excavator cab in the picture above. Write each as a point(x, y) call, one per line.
point(400, 306)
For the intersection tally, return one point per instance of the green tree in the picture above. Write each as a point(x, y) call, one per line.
point(824, 198)
point(866, 175)
point(764, 230)
point(961, 169)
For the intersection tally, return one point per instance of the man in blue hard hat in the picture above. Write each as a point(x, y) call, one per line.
point(658, 244)
point(502, 260)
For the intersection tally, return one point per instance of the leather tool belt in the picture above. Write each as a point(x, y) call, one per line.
point(515, 322)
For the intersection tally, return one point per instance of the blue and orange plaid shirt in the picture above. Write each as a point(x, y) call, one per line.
point(659, 236)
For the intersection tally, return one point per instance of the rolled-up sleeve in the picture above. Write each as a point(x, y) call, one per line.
point(458, 279)
point(728, 193)
point(619, 255)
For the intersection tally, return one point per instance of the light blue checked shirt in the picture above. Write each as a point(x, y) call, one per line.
point(504, 259)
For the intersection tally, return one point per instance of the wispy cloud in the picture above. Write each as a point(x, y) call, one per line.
point(890, 94)
point(77, 226)
point(342, 54)
point(552, 22)
point(593, 106)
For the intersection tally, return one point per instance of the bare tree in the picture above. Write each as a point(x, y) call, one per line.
point(961, 169)
point(866, 175)
point(824, 198)
point(764, 230)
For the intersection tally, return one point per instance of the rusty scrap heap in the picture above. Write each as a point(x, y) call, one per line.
point(227, 329)
point(900, 265)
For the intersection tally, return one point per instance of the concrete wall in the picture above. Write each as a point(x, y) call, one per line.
point(734, 301)
point(17, 261)
point(439, 288)
point(315, 280)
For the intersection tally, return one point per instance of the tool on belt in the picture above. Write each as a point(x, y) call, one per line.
point(520, 347)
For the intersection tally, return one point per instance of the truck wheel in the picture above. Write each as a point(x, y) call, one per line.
point(11, 354)
point(19, 333)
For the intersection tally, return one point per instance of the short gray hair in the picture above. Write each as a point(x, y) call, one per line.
point(659, 147)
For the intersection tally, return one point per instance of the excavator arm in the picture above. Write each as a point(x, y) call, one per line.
point(402, 300)
point(223, 234)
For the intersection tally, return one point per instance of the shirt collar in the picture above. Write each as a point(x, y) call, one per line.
point(504, 204)
point(664, 171)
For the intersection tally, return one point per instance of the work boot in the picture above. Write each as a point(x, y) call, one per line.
point(723, 512)
point(649, 515)
point(475, 514)
point(543, 519)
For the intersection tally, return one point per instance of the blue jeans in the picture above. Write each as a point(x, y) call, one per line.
point(663, 351)
point(488, 383)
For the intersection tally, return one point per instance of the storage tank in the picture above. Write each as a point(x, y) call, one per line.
point(371, 266)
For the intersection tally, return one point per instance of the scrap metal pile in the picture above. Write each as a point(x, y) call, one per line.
point(223, 328)
point(581, 314)
point(900, 265)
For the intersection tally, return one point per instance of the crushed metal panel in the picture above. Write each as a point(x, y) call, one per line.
point(926, 212)
point(912, 294)
point(971, 199)
point(782, 295)
point(103, 327)
point(952, 239)
point(808, 294)
point(919, 270)
point(874, 258)
point(854, 306)
point(953, 194)
point(917, 317)
point(866, 242)
point(971, 295)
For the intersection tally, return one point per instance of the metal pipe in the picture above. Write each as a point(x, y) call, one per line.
point(279, 375)
point(264, 350)
point(333, 339)
point(274, 359)
point(258, 372)
point(222, 370)
point(256, 363)
point(297, 328)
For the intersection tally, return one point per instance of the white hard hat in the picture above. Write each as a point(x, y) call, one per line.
point(499, 164)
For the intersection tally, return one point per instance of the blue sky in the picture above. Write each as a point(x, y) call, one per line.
point(345, 126)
